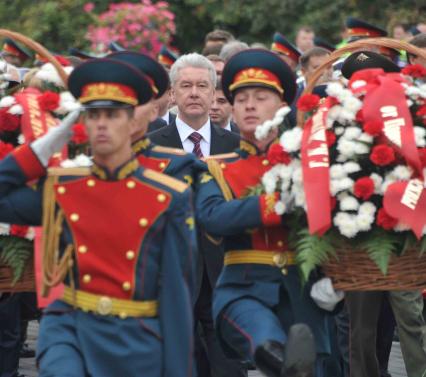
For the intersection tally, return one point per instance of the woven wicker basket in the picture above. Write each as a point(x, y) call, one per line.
point(27, 282)
point(354, 270)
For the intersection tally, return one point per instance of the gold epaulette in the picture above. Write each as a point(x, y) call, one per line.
point(222, 156)
point(175, 151)
point(58, 172)
point(216, 171)
point(165, 180)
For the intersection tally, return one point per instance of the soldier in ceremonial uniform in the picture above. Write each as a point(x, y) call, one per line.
point(258, 298)
point(287, 51)
point(171, 161)
point(126, 241)
point(14, 54)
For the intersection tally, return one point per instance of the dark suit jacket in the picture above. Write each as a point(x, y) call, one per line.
point(160, 123)
point(222, 141)
point(234, 128)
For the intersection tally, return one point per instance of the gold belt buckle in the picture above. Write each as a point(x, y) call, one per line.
point(104, 306)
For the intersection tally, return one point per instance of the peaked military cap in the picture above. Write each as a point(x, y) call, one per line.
point(114, 47)
point(109, 83)
point(80, 54)
point(12, 48)
point(166, 57)
point(364, 60)
point(321, 42)
point(361, 29)
point(153, 70)
point(258, 68)
point(281, 45)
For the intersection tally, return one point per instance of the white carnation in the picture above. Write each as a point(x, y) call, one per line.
point(299, 197)
point(378, 180)
point(401, 173)
point(351, 167)
point(283, 111)
point(30, 233)
point(7, 101)
point(420, 133)
point(269, 181)
point(346, 184)
point(346, 147)
point(361, 148)
point(16, 110)
point(352, 133)
point(412, 91)
point(364, 221)
point(334, 89)
point(367, 208)
point(347, 224)
point(21, 139)
point(366, 138)
point(83, 160)
point(279, 208)
point(348, 203)
point(339, 131)
point(352, 104)
point(4, 228)
point(297, 175)
point(337, 171)
point(291, 140)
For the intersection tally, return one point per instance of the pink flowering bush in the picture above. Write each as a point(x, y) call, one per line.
point(142, 27)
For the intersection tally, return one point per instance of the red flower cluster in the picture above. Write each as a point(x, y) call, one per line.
point(382, 155)
point(414, 70)
point(308, 102)
point(331, 137)
point(422, 153)
point(384, 220)
point(48, 101)
point(364, 188)
point(80, 135)
point(5, 149)
point(8, 122)
point(19, 230)
point(373, 127)
point(277, 155)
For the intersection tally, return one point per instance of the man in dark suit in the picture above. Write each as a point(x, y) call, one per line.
point(193, 80)
point(221, 110)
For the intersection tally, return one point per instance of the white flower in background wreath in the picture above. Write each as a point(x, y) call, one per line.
point(263, 130)
point(420, 134)
point(291, 140)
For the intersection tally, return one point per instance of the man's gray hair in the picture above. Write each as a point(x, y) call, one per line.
point(192, 60)
point(231, 48)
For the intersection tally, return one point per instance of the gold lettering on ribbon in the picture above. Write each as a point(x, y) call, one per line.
point(35, 116)
point(392, 127)
point(318, 134)
point(412, 193)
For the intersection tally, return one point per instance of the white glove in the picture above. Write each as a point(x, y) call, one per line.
point(55, 139)
point(324, 295)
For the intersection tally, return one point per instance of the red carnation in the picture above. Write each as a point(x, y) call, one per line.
point(308, 102)
point(277, 155)
point(5, 149)
point(421, 112)
point(8, 121)
point(18, 230)
point(384, 220)
point(382, 155)
point(63, 61)
point(331, 137)
point(48, 101)
point(80, 135)
point(359, 117)
point(373, 127)
point(414, 70)
point(364, 188)
point(367, 75)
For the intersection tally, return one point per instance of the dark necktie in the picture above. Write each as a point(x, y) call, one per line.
point(195, 137)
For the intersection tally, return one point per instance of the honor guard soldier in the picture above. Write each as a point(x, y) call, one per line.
point(166, 57)
point(262, 313)
point(287, 51)
point(171, 161)
point(14, 54)
point(124, 235)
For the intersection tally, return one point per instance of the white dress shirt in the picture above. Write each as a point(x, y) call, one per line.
point(228, 126)
point(184, 132)
point(166, 117)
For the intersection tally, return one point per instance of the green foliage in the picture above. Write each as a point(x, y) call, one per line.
point(312, 250)
point(380, 245)
point(15, 253)
point(60, 24)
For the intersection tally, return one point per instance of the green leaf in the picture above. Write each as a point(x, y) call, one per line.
point(312, 251)
point(422, 245)
point(380, 245)
point(15, 252)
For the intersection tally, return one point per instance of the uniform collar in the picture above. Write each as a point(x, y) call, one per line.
point(141, 145)
point(122, 172)
point(248, 149)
